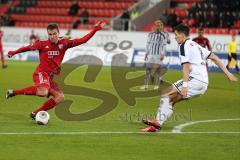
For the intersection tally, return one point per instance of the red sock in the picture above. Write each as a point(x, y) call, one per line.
point(2, 58)
point(32, 90)
point(46, 106)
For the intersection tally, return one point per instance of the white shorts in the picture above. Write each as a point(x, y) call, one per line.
point(153, 60)
point(195, 87)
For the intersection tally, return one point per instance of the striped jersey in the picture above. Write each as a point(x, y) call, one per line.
point(156, 43)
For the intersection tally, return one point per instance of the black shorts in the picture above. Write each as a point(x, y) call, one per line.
point(232, 55)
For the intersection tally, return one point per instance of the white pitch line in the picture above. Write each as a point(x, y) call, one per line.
point(106, 133)
point(178, 129)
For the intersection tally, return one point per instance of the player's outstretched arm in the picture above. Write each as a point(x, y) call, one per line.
point(218, 62)
point(34, 46)
point(75, 42)
point(20, 50)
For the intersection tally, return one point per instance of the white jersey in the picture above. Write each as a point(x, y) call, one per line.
point(192, 53)
point(156, 43)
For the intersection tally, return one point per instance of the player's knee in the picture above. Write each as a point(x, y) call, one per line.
point(59, 98)
point(171, 100)
point(148, 71)
point(43, 92)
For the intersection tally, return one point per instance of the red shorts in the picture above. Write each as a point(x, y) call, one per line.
point(42, 79)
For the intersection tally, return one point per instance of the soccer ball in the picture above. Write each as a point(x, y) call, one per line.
point(42, 118)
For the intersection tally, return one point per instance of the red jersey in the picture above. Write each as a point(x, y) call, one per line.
point(202, 41)
point(1, 35)
point(51, 55)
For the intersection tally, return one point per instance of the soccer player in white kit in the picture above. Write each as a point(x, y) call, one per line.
point(155, 51)
point(195, 77)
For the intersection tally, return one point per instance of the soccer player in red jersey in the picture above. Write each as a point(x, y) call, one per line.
point(51, 54)
point(201, 40)
point(1, 49)
point(32, 37)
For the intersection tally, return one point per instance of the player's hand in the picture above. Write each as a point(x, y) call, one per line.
point(100, 24)
point(231, 77)
point(10, 54)
point(161, 57)
point(184, 92)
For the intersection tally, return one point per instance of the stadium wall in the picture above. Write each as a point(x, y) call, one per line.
point(106, 44)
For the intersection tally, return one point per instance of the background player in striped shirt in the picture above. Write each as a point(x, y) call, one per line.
point(155, 51)
point(195, 77)
point(51, 54)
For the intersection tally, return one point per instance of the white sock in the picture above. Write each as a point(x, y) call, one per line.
point(164, 110)
point(160, 78)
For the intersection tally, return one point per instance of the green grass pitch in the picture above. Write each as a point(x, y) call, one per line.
point(114, 135)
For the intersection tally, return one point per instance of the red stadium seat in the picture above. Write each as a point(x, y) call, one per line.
point(168, 29)
point(183, 7)
point(191, 22)
point(183, 13)
point(57, 11)
point(206, 30)
point(225, 31)
point(87, 27)
point(185, 21)
point(222, 31)
point(219, 31)
point(233, 31)
point(212, 30)
point(193, 30)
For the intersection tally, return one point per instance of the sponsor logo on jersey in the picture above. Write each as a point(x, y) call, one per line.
point(53, 53)
point(60, 46)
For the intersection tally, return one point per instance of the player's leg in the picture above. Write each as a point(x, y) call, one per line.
point(165, 108)
point(229, 60)
point(173, 95)
point(164, 111)
point(52, 102)
point(42, 84)
point(146, 78)
point(234, 56)
point(2, 58)
point(157, 69)
point(152, 74)
point(31, 90)
point(154, 68)
point(169, 97)
point(158, 76)
point(58, 96)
